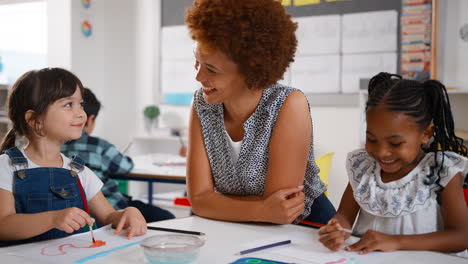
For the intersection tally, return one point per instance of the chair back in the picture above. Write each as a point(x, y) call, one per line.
point(324, 163)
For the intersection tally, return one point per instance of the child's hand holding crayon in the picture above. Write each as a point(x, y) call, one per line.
point(71, 219)
point(333, 235)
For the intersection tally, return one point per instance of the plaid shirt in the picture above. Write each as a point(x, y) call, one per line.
point(103, 159)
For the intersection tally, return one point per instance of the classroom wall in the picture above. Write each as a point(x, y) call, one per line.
point(120, 62)
point(452, 51)
point(336, 129)
point(58, 33)
point(117, 61)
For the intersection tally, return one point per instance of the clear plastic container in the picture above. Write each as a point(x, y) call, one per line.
point(172, 249)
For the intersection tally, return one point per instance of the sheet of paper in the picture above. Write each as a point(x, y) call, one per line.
point(151, 163)
point(370, 31)
point(77, 248)
point(318, 35)
point(306, 2)
point(356, 66)
point(316, 74)
point(305, 246)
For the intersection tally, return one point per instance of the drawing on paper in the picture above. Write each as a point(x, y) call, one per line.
point(58, 250)
point(77, 248)
point(343, 261)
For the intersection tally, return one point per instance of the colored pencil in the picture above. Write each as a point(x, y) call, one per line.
point(318, 225)
point(176, 231)
point(264, 247)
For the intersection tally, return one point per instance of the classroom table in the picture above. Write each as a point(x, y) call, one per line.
point(224, 239)
point(156, 167)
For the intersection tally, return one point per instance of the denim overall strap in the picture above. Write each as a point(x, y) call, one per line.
point(18, 160)
point(45, 189)
point(76, 165)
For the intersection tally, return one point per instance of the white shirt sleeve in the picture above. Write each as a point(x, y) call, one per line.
point(91, 183)
point(6, 173)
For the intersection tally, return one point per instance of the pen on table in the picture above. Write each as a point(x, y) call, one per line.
point(264, 247)
point(176, 231)
point(127, 146)
point(318, 225)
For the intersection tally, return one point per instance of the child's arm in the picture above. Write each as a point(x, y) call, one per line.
point(282, 201)
point(114, 162)
point(453, 238)
point(332, 235)
point(15, 226)
point(129, 218)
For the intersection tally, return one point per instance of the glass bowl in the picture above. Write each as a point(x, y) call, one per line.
point(171, 249)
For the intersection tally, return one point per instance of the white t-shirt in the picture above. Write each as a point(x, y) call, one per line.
point(234, 151)
point(91, 183)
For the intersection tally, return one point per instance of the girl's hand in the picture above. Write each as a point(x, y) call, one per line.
point(373, 240)
point(70, 219)
point(332, 235)
point(284, 206)
point(132, 220)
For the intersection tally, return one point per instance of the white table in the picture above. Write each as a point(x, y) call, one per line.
point(224, 239)
point(156, 167)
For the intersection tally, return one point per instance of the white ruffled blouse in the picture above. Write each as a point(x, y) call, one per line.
point(404, 206)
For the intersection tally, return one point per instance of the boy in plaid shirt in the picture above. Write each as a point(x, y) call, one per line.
point(104, 159)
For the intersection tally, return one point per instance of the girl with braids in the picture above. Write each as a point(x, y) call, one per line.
point(43, 194)
point(407, 183)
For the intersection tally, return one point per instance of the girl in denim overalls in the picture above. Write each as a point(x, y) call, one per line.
point(43, 193)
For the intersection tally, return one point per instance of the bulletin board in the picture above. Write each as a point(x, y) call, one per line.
point(340, 42)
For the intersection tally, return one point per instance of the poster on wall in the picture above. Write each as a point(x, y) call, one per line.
point(86, 16)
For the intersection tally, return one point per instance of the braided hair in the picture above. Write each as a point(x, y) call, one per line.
point(426, 102)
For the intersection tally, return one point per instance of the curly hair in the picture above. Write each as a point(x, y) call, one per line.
point(257, 35)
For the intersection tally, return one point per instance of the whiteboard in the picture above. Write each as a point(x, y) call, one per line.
point(452, 50)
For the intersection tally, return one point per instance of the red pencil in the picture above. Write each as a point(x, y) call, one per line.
point(313, 224)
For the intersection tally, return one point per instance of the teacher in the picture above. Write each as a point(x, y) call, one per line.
point(250, 151)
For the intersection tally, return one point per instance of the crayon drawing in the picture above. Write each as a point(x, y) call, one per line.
point(57, 250)
point(77, 248)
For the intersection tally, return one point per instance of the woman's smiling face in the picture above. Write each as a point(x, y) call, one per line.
point(218, 75)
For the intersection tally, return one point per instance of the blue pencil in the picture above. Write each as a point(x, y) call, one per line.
point(264, 247)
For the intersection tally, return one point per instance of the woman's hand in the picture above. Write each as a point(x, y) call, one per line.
point(373, 240)
point(132, 220)
point(284, 206)
point(71, 219)
point(332, 235)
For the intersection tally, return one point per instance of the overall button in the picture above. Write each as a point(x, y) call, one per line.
point(63, 192)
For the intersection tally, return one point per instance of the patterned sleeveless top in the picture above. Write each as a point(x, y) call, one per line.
point(247, 176)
